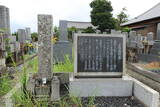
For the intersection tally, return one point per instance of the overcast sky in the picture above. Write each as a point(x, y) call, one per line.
point(23, 13)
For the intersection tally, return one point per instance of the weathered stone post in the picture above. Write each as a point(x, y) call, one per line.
point(42, 84)
point(45, 48)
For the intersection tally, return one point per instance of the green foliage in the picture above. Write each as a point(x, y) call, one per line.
point(5, 84)
point(72, 101)
point(89, 30)
point(15, 34)
point(101, 15)
point(34, 36)
point(2, 30)
point(7, 47)
point(122, 17)
point(70, 32)
point(67, 66)
point(56, 31)
point(126, 29)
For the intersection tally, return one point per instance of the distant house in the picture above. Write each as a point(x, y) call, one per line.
point(79, 25)
point(146, 22)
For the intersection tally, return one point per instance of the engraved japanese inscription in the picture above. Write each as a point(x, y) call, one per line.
point(100, 54)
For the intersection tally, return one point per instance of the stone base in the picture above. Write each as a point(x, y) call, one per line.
point(115, 88)
point(61, 48)
point(48, 92)
point(100, 87)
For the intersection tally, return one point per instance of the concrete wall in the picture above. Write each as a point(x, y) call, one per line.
point(144, 79)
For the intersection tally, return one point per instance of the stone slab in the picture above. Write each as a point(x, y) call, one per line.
point(61, 48)
point(90, 59)
point(100, 87)
point(63, 30)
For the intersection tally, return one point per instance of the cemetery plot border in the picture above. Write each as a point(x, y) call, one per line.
point(98, 73)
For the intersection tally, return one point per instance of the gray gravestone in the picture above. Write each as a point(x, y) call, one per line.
point(5, 19)
point(139, 41)
point(21, 35)
point(150, 38)
point(44, 86)
point(28, 34)
point(63, 30)
point(158, 31)
point(132, 43)
point(99, 54)
point(45, 46)
point(62, 47)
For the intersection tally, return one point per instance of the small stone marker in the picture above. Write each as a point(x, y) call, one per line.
point(132, 43)
point(150, 38)
point(99, 54)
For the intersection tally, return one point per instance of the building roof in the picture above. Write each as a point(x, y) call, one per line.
point(152, 13)
point(79, 25)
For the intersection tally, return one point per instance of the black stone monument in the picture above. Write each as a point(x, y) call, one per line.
point(98, 54)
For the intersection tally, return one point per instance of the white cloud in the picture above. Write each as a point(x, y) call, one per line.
point(23, 13)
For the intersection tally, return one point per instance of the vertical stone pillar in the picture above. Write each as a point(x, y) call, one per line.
point(63, 30)
point(21, 35)
point(45, 46)
point(28, 34)
point(5, 19)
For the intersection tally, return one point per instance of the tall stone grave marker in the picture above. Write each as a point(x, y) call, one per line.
point(21, 35)
point(63, 47)
point(158, 31)
point(5, 19)
point(99, 55)
point(28, 34)
point(63, 30)
point(45, 47)
point(44, 85)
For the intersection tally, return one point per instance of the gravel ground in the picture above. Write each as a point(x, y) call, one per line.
point(114, 102)
point(106, 101)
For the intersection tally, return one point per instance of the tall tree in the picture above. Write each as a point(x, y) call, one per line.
point(15, 34)
point(56, 31)
point(34, 36)
point(122, 17)
point(89, 30)
point(70, 32)
point(101, 15)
